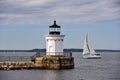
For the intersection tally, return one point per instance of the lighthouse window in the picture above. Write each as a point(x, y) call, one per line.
point(61, 39)
point(58, 39)
point(51, 29)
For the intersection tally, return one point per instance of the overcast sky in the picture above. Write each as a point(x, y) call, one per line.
point(23, 23)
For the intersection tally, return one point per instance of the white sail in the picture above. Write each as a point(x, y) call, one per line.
point(88, 49)
point(92, 51)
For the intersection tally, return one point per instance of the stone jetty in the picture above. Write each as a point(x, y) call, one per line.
point(46, 62)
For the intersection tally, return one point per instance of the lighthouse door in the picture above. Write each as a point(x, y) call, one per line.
point(50, 50)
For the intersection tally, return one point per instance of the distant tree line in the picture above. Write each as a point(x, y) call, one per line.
point(65, 50)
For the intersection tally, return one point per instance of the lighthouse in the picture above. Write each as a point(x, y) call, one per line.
point(55, 57)
point(54, 41)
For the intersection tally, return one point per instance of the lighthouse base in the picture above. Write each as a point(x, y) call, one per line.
point(54, 62)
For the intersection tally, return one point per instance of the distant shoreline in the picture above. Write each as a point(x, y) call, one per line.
point(65, 50)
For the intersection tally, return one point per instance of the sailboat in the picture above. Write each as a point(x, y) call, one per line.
point(88, 51)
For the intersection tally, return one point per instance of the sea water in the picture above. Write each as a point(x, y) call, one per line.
point(106, 68)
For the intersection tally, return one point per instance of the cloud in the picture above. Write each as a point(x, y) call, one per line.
point(75, 11)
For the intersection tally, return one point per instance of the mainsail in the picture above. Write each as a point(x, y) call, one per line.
point(88, 49)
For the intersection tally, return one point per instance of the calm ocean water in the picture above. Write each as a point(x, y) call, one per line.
point(107, 68)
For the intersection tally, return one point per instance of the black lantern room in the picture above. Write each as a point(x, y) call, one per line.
point(54, 29)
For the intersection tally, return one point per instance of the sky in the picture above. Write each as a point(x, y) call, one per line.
point(25, 23)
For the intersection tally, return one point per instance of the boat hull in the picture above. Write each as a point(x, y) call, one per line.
point(92, 56)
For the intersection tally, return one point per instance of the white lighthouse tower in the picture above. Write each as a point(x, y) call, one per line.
point(54, 41)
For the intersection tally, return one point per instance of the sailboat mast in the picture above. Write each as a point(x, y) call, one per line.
point(87, 43)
